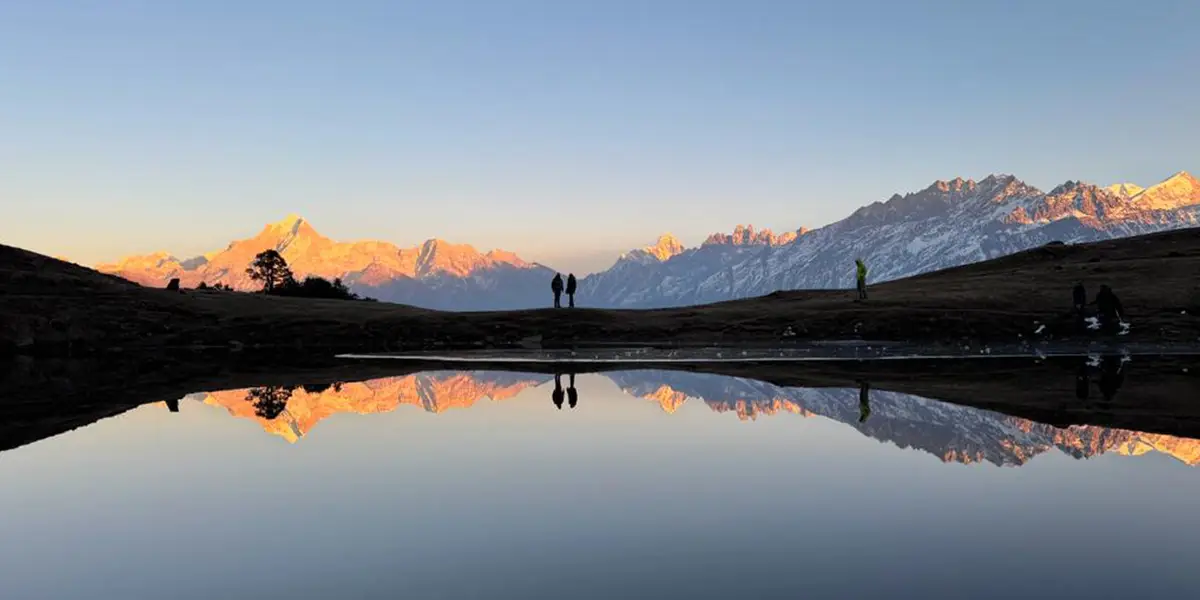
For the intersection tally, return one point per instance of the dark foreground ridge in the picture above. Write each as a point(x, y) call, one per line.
point(40, 398)
point(50, 307)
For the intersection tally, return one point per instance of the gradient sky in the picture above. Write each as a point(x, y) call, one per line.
point(565, 131)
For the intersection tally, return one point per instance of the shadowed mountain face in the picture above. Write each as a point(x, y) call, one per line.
point(951, 432)
point(435, 274)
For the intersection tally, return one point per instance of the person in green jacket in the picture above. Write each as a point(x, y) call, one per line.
point(862, 279)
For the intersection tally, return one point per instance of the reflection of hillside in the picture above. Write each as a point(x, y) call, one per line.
point(952, 432)
point(433, 392)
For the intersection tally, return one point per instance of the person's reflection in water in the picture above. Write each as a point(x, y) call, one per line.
point(557, 395)
point(173, 405)
point(572, 394)
point(864, 401)
point(1083, 382)
point(1111, 376)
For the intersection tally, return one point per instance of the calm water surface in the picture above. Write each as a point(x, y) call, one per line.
point(655, 484)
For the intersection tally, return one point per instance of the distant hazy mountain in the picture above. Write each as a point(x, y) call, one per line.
point(435, 274)
point(950, 223)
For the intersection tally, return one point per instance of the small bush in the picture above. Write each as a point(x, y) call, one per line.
point(315, 287)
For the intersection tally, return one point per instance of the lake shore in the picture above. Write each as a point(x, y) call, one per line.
point(40, 398)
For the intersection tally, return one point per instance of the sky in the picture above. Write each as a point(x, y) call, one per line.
point(567, 132)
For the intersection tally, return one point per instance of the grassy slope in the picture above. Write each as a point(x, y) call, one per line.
point(51, 307)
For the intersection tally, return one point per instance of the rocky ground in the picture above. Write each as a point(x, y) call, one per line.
point(53, 308)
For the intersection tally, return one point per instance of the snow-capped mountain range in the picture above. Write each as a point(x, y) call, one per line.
point(947, 224)
point(950, 223)
point(436, 274)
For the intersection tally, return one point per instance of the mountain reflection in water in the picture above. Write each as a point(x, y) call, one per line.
point(953, 433)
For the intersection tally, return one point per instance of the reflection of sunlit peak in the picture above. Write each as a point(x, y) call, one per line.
point(666, 397)
point(433, 392)
point(750, 409)
point(1184, 450)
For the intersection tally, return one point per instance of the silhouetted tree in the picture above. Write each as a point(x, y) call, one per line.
point(269, 401)
point(271, 269)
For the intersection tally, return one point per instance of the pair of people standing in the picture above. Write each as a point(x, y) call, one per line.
point(556, 286)
point(557, 395)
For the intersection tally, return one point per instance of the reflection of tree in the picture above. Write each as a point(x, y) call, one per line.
point(315, 388)
point(269, 401)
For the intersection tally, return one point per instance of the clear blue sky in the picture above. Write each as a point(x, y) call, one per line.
point(559, 129)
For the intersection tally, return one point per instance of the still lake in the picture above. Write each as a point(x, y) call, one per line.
point(486, 484)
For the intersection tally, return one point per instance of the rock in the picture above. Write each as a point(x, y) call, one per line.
point(533, 341)
point(173, 285)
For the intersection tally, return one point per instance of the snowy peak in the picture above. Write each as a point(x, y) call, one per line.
point(506, 257)
point(665, 247)
point(1178, 191)
point(1125, 190)
point(459, 260)
point(1084, 201)
point(290, 223)
point(746, 235)
point(956, 185)
point(289, 227)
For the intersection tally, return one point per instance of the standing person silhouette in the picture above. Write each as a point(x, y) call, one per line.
point(1079, 297)
point(1111, 377)
point(1083, 382)
point(861, 269)
point(556, 286)
point(572, 285)
point(864, 401)
point(572, 394)
point(557, 395)
point(1111, 311)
